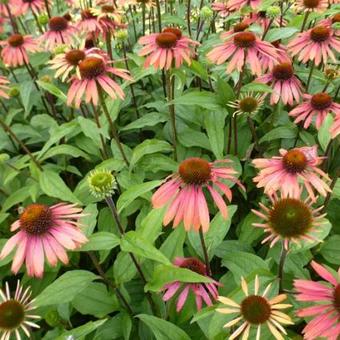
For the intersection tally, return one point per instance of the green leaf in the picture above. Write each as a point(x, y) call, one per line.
point(149, 119)
point(123, 268)
point(82, 331)
point(65, 288)
point(132, 242)
point(205, 99)
point(330, 249)
point(65, 149)
point(256, 87)
point(51, 88)
point(53, 185)
point(280, 33)
point(164, 274)
point(91, 130)
point(324, 136)
point(149, 146)
point(280, 132)
point(101, 241)
point(95, 300)
point(163, 330)
point(243, 264)
point(25, 94)
point(18, 196)
point(134, 192)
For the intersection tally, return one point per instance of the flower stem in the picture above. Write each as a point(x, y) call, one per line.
point(170, 95)
point(112, 206)
point(159, 16)
point(113, 129)
point(329, 194)
point(102, 274)
point(11, 18)
point(188, 17)
point(143, 17)
point(304, 21)
point(283, 257)
point(47, 9)
point(205, 252)
point(7, 129)
point(310, 75)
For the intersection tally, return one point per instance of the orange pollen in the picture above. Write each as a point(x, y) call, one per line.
point(240, 27)
point(67, 16)
point(321, 101)
point(311, 3)
point(295, 161)
point(91, 67)
point(36, 219)
point(244, 39)
point(58, 24)
point(283, 71)
point(320, 33)
point(16, 40)
point(195, 265)
point(107, 9)
point(176, 31)
point(255, 309)
point(73, 57)
point(166, 40)
point(195, 171)
point(336, 18)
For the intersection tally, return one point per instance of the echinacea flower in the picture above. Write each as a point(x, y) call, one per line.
point(15, 312)
point(256, 311)
point(289, 219)
point(67, 62)
point(3, 87)
point(44, 231)
point(311, 5)
point(285, 171)
point(325, 311)
point(286, 86)
point(282, 57)
point(203, 291)
point(59, 32)
point(94, 77)
point(166, 49)
point(248, 103)
point(23, 6)
point(89, 23)
point(242, 48)
point(101, 183)
point(238, 4)
point(221, 8)
point(318, 105)
point(15, 48)
point(316, 44)
point(184, 196)
point(335, 128)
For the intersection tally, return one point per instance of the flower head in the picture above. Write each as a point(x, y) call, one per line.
point(318, 105)
point(15, 48)
point(289, 219)
point(235, 5)
point(44, 230)
point(101, 183)
point(221, 8)
point(59, 32)
point(316, 44)
point(23, 6)
point(203, 291)
point(311, 5)
point(256, 310)
point(248, 103)
point(94, 76)
point(15, 312)
point(241, 48)
point(325, 313)
point(184, 196)
point(3, 87)
point(286, 86)
point(166, 49)
point(284, 172)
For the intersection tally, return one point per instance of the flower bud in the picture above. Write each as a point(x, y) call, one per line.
point(101, 183)
point(121, 35)
point(14, 91)
point(43, 19)
point(273, 12)
point(206, 13)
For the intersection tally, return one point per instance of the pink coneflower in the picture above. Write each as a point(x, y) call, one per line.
point(94, 76)
point(221, 8)
point(326, 308)
point(203, 291)
point(3, 87)
point(235, 5)
point(89, 23)
point(167, 49)
point(282, 57)
point(23, 6)
point(311, 5)
point(335, 128)
point(16, 312)
point(289, 219)
point(256, 311)
point(242, 48)
point(318, 105)
point(183, 192)
point(67, 62)
point(44, 230)
point(15, 48)
point(316, 44)
point(59, 32)
point(286, 86)
point(261, 18)
point(284, 172)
